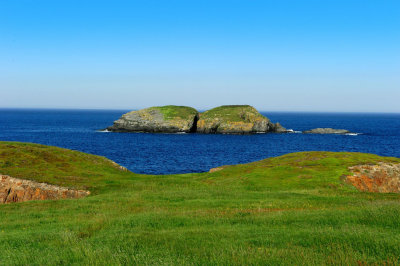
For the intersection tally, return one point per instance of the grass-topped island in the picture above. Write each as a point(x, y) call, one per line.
point(236, 119)
point(158, 119)
point(226, 119)
point(300, 208)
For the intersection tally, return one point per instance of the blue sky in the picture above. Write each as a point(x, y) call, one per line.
point(276, 55)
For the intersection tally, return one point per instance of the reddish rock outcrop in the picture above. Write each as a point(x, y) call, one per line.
point(18, 190)
point(216, 169)
point(383, 177)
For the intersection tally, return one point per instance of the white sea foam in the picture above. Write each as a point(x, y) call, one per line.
point(352, 134)
point(104, 131)
point(292, 131)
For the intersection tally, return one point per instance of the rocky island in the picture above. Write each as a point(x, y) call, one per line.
point(227, 119)
point(236, 119)
point(326, 131)
point(163, 119)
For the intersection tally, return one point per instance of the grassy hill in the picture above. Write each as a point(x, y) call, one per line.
point(59, 166)
point(292, 209)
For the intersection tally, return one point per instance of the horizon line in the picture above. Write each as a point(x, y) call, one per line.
point(200, 110)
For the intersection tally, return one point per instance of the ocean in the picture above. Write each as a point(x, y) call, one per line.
point(186, 153)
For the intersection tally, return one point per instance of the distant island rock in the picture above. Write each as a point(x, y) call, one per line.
point(227, 119)
point(326, 131)
point(236, 119)
point(162, 119)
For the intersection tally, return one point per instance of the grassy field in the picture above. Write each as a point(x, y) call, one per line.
point(293, 209)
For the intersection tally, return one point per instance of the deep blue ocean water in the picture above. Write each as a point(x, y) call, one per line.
point(184, 153)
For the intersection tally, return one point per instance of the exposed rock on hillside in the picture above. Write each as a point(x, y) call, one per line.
point(18, 190)
point(164, 119)
point(326, 131)
point(383, 177)
point(216, 169)
point(236, 119)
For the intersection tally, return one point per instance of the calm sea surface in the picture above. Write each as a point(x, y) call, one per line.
point(183, 153)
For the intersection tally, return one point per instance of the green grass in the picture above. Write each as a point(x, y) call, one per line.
point(172, 111)
point(232, 113)
point(292, 209)
point(60, 166)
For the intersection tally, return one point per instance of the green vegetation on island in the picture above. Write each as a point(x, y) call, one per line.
point(171, 112)
point(292, 209)
point(234, 113)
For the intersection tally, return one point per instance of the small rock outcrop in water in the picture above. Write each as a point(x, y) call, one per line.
point(326, 131)
point(278, 128)
point(19, 190)
point(228, 119)
point(383, 177)
point(236, 119)
point(163, 119)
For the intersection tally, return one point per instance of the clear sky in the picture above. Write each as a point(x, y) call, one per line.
point(299, 55)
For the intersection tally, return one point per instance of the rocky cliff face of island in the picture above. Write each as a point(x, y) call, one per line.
point(164, 119)
point(228, 119)
point(235, 119)
point(19, 190)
